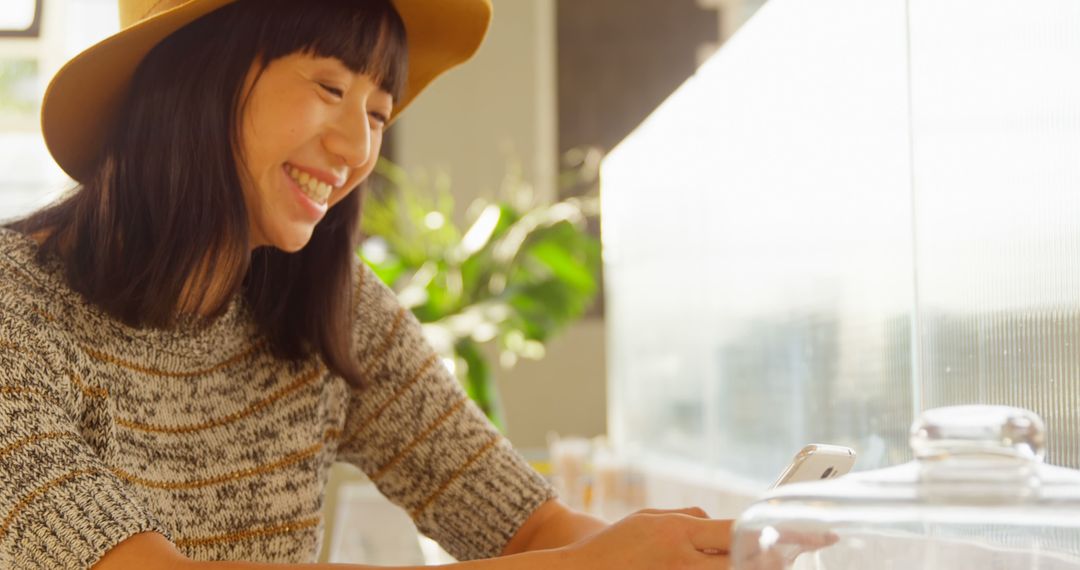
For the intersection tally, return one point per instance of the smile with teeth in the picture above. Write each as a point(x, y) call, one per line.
point(313, 188)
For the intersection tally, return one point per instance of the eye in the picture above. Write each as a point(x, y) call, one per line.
point(332, 90)
point(380, 117)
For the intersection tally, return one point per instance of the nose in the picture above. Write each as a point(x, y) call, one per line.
point(349, 138)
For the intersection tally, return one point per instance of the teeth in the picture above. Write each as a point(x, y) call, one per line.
point(310, 186)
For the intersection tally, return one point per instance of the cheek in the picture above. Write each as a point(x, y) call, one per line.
point(278, 129)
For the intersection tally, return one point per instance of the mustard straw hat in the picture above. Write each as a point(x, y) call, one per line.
point(86, 93)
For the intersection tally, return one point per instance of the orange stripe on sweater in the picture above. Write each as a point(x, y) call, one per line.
point(419, 438)
point(36, 438)
point(388, 341)
point(110, 359)
point(243, 473)
point(461, 470)
point(258, 532)
point(37, 493)
point(264, 403)
point(393, 398)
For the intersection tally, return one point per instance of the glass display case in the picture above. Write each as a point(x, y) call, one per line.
point(976, 496)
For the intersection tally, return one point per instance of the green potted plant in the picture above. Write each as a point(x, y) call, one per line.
point(516, 276)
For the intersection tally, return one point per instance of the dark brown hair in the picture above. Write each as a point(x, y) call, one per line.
point(165, 202)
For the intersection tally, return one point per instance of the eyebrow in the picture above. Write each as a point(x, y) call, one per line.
point(319, 63)
point(337, 64)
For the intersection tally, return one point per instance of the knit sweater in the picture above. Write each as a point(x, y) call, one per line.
point(199, 433)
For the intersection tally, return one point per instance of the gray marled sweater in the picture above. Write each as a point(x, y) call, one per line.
point(199, 433)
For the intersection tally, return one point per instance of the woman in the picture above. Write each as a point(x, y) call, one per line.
point(187, 341)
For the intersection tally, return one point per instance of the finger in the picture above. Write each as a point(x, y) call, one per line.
point(814, 538)
point(696, 512)
point(783, 551)
point(709, 534)
point(808, 540)
point(791, 552)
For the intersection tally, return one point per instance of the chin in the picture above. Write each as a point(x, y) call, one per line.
point(293, 247)
point(293, 243)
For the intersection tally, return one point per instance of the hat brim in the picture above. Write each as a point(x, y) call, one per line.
point(84, 96)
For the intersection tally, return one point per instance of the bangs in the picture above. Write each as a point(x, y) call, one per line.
point(368, 36)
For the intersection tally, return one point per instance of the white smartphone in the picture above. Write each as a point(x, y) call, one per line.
point(817, 461)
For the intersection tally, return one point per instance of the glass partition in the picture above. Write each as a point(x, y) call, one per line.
point(854, 211)
point(996, 138)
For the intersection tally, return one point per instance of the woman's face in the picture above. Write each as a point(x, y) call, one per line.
point(310, 133)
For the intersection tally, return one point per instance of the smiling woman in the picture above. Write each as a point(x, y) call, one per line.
point(254, 88)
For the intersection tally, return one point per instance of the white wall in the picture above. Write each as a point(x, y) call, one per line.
point(498, 106)
point(501, 106)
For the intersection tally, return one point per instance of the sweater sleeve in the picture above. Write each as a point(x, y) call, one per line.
point(61, 506)
point(424, 443)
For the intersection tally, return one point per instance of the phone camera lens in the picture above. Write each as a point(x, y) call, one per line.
point(827, 472)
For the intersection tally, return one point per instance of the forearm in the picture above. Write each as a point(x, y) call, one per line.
point(563, 528)
point(525, 561)
point(535, 546)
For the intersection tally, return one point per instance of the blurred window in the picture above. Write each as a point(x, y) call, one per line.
point(30, 53)
point(20, 18)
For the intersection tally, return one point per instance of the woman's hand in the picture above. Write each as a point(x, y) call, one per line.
point(669, 539)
